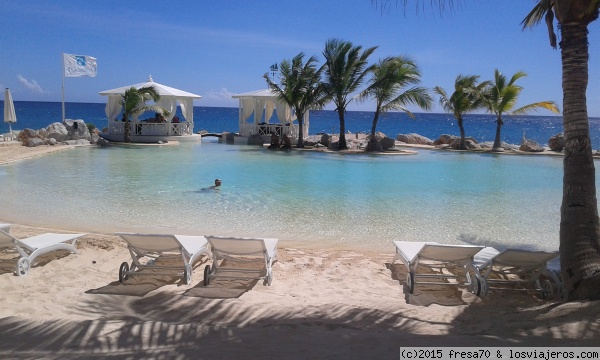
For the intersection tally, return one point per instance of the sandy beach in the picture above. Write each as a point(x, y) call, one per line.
point(323, 303)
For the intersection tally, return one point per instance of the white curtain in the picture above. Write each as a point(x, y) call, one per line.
point(187, 108)
point(284, 112)
point(247, 109)
point(270, 106)
point(259, 110)
point(113, 107)
point(170, 104)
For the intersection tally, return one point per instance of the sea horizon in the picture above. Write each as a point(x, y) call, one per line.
point(481, 127)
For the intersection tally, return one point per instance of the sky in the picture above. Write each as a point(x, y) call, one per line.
point(219, 48)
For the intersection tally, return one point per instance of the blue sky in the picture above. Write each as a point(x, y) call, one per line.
point(219, 48)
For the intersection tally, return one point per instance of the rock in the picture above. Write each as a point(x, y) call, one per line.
point(51, 141)
point(26, 134)
point(77, 129)
point(326, 139)
point(387, 143)
point(445, 139)
point(230, 138)
point(33, 142)
point(530, 146)
point(413, 138)
point(57, 131)
point(470, 144)
point(557, 142)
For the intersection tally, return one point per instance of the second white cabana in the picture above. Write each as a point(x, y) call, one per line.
point(263, 103)
point(170, 98)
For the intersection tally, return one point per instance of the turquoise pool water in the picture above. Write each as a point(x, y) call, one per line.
point(304, 198)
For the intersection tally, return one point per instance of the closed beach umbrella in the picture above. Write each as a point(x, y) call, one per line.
point(9, 109)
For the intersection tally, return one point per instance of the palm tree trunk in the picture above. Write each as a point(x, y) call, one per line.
point(300, 143)
point(127, 130)
point(373, 144)
point(461, 127)
point(497, 142)
point(579, 225)
point(342, 142)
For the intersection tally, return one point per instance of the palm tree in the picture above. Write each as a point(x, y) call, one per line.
point(345, 70)
point(501, 96)
point(390, 76)
point(579, 223)
point(467, 97)
point(133, 102)
point(301, 88)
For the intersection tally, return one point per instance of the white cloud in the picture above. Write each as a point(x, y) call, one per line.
point(31, 85)
point(222, 94)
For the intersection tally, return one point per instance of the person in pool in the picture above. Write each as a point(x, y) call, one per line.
point(214, 187)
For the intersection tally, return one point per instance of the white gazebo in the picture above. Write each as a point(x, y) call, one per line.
point(262, 104)
point(146, 131)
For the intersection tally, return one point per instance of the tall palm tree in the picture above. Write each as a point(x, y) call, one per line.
point(133, 102)
point(579, 223)
point(301, 88)
point(346, 68)
point(390, 77)
point(501, 97)
point(467, 97)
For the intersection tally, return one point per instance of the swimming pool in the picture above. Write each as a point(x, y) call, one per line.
point(304, 198)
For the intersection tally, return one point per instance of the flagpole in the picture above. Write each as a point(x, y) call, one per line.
point(63, 87)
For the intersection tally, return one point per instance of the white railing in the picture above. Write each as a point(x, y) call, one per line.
point(268, 129)
point(152, 129)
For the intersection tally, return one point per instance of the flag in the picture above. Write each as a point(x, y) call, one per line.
point(79, 65)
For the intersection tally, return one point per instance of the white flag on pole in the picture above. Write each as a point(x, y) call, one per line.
point(79, 65)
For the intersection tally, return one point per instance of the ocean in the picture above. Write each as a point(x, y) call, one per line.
point(304, 198)
point(36, 115)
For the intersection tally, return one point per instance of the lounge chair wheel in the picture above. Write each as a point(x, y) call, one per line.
point(547, 289)
point(206, 275)
point(187, 275)
point(123, 270)
point(410, 282)
point(476, 285)
point(23, 266)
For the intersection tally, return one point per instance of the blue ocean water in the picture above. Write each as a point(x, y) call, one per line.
point(36, 115)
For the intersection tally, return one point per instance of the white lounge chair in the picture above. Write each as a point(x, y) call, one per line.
point(440, 259)
point(30, 248)
point(240, 249)
point(514, 269)
point(152, 246)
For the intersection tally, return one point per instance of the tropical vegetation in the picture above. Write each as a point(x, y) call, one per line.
point(467, 97)
point(346, 69)
point(501, 97)
point(133, 102)
point(390, 76)
point(301, 88)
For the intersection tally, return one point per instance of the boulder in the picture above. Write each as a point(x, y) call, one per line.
point(51, 141)
point(413, 138)
point(33, 142)
point(470, 144)
point(387, 143)
point(557, 142)
point(445, 139)
point(325, 139)
point(57, 131)
point(27, 134)
point(77, 129)
point(530, 146)
point(230, 138)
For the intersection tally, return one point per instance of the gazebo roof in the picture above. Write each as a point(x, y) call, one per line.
point(267, 93)
point(163, 90)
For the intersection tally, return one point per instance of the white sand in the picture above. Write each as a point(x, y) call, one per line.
point(322, 304)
